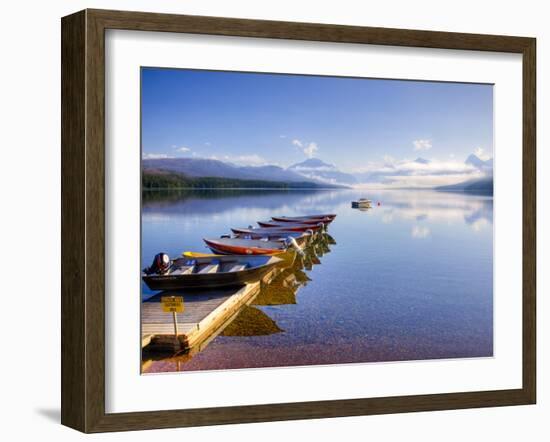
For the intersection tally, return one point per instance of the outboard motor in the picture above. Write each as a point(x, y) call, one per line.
point(161, 263)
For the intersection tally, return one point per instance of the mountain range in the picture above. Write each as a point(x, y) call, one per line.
point(474, 160)
point(201, 167)
point(476, 185)
point(313, 171)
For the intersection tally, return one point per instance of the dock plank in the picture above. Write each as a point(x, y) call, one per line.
point(202, 315)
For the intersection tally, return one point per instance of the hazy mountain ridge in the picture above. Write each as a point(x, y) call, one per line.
point(155, 179)
point(317, 169)
point(483, 185)
point(474, 160)
point(480, 185)
point(311, 172)
point(201, 167)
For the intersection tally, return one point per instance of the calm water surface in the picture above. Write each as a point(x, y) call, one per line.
point(409, 279)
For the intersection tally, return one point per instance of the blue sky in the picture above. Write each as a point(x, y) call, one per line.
point(355, 124)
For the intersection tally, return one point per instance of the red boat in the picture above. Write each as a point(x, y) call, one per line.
point(302, 219)
point(318, 216)
point(268, 234)
point(271, 233)
point(298, 227)
point(238, 246)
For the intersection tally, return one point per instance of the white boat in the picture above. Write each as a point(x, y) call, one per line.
point(361, 203)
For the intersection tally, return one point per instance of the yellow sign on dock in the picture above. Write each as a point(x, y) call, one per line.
point(172, 304)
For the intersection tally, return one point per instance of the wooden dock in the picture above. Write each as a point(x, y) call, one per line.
point(205, 314)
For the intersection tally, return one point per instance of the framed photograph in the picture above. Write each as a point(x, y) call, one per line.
point(265, 220)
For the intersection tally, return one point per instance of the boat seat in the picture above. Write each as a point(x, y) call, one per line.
point(235, 267)
point(185, 270)
point(210, 268)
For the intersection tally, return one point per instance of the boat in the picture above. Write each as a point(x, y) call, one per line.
point(240, 246)
point(260, 232)
point(302, 238)
point(207, 272)
point(317, 216)
point(297, 220)
point(308, 219)
point(287, 257)
point(362, 202)
point(295, 227)
point(273, 234)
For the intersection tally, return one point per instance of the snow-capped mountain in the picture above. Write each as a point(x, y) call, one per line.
point(482, 184)
point(315, 169)
point(478, 163)
point(422, 161)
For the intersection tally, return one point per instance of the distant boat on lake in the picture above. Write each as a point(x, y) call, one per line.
point(361, 203)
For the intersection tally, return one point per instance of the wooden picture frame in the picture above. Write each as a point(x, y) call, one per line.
point(83, 220)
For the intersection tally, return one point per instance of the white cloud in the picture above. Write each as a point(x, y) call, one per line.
point(245, 160)
point(308, 149)
point(302, 169)
point(409, 167)
point(239, 160)
point(423, 144)
point(155, 156)
point(408, 173)
point(481, 154)
point(182, 149)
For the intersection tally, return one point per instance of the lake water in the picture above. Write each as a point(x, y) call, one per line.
point(409, 279)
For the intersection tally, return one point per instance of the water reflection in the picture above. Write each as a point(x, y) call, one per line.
point(436, 207)
point(409, 279)
point(251, 320)
point(421, 205)
point(420, 232)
